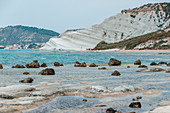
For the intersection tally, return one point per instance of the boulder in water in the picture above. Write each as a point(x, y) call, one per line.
point(153, 64)
point(138, 62)
point(43, 65)
point(114, 62)
point(27, 80)
point(93, 65)
point(47, 71)
point(18, 66)
point(135, 105)
point(1, 67)
point(33, 64)
point(116, 73)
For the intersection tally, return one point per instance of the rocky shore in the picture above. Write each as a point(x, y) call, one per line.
point(108, 88)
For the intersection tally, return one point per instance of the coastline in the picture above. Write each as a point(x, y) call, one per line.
point(127, 51)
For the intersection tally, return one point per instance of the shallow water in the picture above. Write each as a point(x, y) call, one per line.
point(13, 57)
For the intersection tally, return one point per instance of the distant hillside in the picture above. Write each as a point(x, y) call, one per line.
point(23, 35)
point(154, 40)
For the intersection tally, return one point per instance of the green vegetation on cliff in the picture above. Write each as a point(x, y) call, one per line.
point(133, 42)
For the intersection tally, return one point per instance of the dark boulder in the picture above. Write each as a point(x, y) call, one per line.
point(142, 66)
point(18, 66)
point(83, 64)
point(111, 110)
point(47, 71)
point(138, 62)
point(1, 67)
point(78, 64)
point(33, 64)
point(161, 63)
point(135, 105)
point(93, 65)
point(43, 65)
point(61, 64)
point(153, 64)
point(102, 68)
point(26, 73)
point(168, 64)
point(84, 100)
point(27, 80)
point(56, 64)
point(128, 66)
point(114, 62)
point(116, 73)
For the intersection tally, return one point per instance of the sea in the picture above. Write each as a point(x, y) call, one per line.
point(13, 57)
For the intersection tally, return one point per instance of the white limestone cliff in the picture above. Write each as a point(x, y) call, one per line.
point(127, 24)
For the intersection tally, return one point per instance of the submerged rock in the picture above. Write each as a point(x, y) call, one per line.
point(26, 73)
point(161, 63)
point(47, 71)
point(138, 62)
point(116, 73)
point(33, 64)
point(18, 66)
point(43, 65)
point(153, 64)
point(1, 67)
point(114, 62)
point(142, 66)
point(100, 89)
point(93, 65)
point(151, 70)
point(27, 80)
point(135, 105)
point(102, 68)
point(124, 89)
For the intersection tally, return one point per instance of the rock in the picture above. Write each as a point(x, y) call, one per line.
point(47, 71)
point(157, 70)
point(161, 63)
point(84, 100)
point(102, 68)
point(100, 89)
point(153, 64)
point(26, 73)
point(138, 62)
point(142, 66)
point(56, 64)
point(151, 70)
point(83, 64)
point(100, 105)
point(18, 66)
point(128, 66)
point(135, 105)
point(1, 67)
point(8, 110)
point(139, 97)
point(27, 80)
point(168, 64)
point(93, 65)
point(114, 62)
point(78, 64)
point(33, 64)
point(168, 70)
point(124, 89)
point(111, 110)
point(61, 64)
point(116, 73)
point(43, 65)
point(17, 88)
point(49, 92)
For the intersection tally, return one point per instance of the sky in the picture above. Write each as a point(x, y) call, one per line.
point(61, 15)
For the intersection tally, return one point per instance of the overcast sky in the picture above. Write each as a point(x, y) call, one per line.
point(60, 15)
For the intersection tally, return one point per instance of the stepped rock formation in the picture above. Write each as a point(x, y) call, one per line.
point(127, 24)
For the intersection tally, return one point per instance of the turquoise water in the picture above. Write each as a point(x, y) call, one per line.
point(13, 57)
